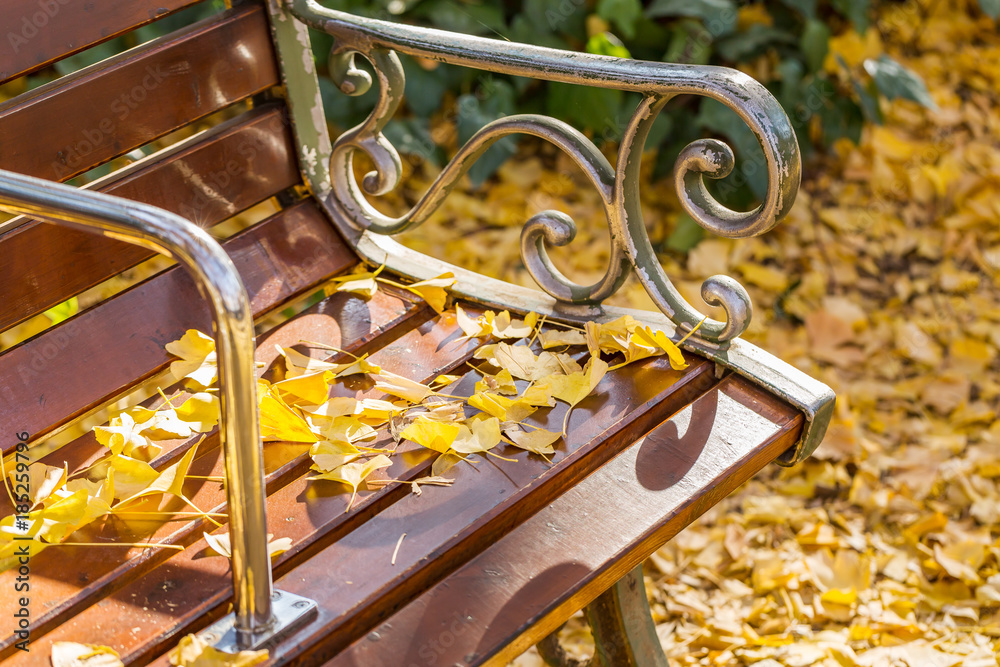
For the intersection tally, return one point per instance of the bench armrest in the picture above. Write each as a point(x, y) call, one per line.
point(328, 169)
point(220, 283)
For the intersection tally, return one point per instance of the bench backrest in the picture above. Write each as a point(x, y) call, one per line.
point(218, 73)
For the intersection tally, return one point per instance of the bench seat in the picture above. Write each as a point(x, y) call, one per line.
point(471, 573)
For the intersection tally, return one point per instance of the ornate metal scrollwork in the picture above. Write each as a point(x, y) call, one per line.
point(618, 186)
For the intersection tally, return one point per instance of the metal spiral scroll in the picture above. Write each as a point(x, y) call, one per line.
point(618, 187)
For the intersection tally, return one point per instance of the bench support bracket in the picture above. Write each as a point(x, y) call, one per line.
point(289, 611)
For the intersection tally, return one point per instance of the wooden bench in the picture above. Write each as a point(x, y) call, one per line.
point(493, 563)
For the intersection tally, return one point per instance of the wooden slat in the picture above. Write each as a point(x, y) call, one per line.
point(103, 111)
point(207, 179)
point(70, 580)
point(39, 32)
point(499, 497)
point(77, 365)
point(552, 565)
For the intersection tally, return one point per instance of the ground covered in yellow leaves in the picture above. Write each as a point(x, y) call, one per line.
point(884, 282)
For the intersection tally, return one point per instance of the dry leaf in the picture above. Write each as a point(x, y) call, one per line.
point(352, 474)
point(432, 434)
point(197, 358)
point(72, 654)
point(537, 440)
point(193, 651)
point(435, 290)
point(221, 544)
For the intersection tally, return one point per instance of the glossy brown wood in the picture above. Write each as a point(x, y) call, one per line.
point(526, 584)
point(88, 117)
point(69, 579)
point(39, 33)
point(77, 365)
point(206, 179)
point(481, 507)
point(72, 580)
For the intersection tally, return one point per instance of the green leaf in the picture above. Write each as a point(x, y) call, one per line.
point(606, 44)
point(719, 16)
point(425, 89)
point(856, 12)
point(689, 43)
point(805, 7)
point(815, 43)
point(622, 13)
point(893, 80)
point(868, 97)
point(750, 169)
point(411, 136)
point(686, 235)
point(466, 17)
point(743, 45)
point(990, 7)
point(63, 311)
point(583, 107)
point(493, 99)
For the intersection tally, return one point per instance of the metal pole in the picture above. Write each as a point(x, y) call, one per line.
point(219, 282)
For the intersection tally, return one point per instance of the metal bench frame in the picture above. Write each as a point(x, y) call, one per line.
point(626, 634)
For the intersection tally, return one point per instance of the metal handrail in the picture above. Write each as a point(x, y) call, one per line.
point(219, 282)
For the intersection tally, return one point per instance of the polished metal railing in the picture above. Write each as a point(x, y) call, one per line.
point(218, 282)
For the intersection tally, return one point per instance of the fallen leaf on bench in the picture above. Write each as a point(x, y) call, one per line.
point(505, 327)
point(328, 456)
point(277, 420)
point(72, 654)
point(481, 327)
point(478, 434)
point(310, 388)
point(501, 383)
point(434, 291)
point(353, 474)
point(169, 482)
point(222, 545)
point(559, 338)
point(348, 429)
point(42, 482)
point(197, 358)
point(522, 363)
point(538, 441)
point(405, 388)
point(130, 475)
point(432, 434)
point(574, 388)
point(193, 651)
point(361, 283)
point(200, 411)
point(501, 407)
point(297, 364)
point(124, 436)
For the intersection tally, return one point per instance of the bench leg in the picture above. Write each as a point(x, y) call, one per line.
point(623, 629)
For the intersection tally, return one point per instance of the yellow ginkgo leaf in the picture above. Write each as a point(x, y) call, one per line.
point(277, 420)
point(538, 441)
point(592, 336)
point(522, 363)
point(445, 380)
point(131, 475)
point(348, 429)
point(574, 388)
point(329, 456)
point(405, 388)
point(432, 434)
point(505, 327)
point(435, 290)
point(501, 407)
point(200, 412)
point(478, 434)
point(124, 436)
point(197, 358)
point(72, 654)
point(220, 543)
point(161, 423)
point(297, 364)
point(193, 651)
point(361, 282)
point(338, 406)
point(559, 338)
point(170, 481)
point(501, 383)
point(43, 481)
point(646, 337)
point(308, 388)
point(354, 473)
point(481, 327)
